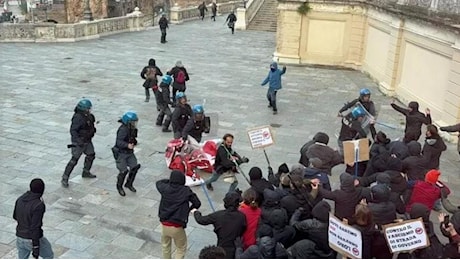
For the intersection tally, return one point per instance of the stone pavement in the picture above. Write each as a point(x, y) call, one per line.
point(41, 84)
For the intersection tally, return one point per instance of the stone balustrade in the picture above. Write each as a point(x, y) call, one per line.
point(179, 15)
point(245, 15)
point(50, 32)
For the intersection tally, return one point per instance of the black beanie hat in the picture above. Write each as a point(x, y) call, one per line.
point(283, 168)
point(37, 186)
point(232, 199)
point(381, 137)
point(255, 173)
point(177, 177)
point(413, 105)
point(321, 137)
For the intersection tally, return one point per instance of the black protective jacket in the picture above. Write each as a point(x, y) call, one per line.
point(194, 128)
point(179, 118)
point(228, 224)
point(125, 136)
point(414, 121)
point(28, 212)
point(432, 150)
point(82, 128)
point(164, 95)
point(148, 83)
point(175, 201)
point(266, 248)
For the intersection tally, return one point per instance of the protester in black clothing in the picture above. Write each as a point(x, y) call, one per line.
point(302, 194)
point(163, 22)
point(150, 73)
point(433, 147)
point(214, 11)
point(414, 120)
point(176, 202)
point(383, 210)
point(259, 184)
point(164, 101)
point(202, 8)
point(212, 252)
point(124, 152)
point(196, 124)
point(266, 247)
point(180, 115)
point(316, 228)
point(228, 224)
point(451, 231)
point(328, 156)
point(414, 166)
point(180, 76)
point(28, 212)
point(275, 179)
point(231, 19)
point(82, 131)
point(362, 220)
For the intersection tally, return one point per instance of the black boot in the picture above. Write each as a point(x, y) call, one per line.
point(131, 177)
point(160, 118)
point(87, 166)
point(120, 179)
point(130, 180)
point(68, 169)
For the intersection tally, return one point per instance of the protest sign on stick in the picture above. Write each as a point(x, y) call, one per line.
point(344, 239)
point(406, 236)
point(260, 137)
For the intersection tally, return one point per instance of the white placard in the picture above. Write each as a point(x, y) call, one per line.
point(260, 137)
point(344, 239)
point(406, 236)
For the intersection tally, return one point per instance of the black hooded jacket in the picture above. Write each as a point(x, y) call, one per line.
point(148, 83)
point(28, 212)
point(179, 118)
point(266, 248)
point(175, 199)
point(271, 202)
point(229, 223)
point(328, 156)
point(432, 150)
point(258, 183)
point(82, 128)
point(414, 166)
point(383, 210)
point(414, 121)
point(347, 197)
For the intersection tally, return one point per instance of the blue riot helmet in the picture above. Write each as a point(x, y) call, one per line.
point(181, 98)
point(130, 118)
point(84, 104)
point(358, 112)
point(364, 92)
point(198, 112)
point(167, 79)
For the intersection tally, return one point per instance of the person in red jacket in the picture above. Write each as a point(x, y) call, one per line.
point(251, 210)
point(427, 192)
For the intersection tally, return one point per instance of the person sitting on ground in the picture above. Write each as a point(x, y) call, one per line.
point(315, 172)
point(414, 166)
point(266, 247)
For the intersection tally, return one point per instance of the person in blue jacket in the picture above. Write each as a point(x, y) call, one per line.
point(274, 80)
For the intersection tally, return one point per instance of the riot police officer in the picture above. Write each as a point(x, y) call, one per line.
point(181, 114)
point(196, 125)
point(82, 130)
point(163, 102)
point(123, 150)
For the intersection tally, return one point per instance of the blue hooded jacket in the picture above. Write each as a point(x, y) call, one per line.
point(274, 77)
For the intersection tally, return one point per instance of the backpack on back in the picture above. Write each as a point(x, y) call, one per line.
point(180, 78)
point(151, 73)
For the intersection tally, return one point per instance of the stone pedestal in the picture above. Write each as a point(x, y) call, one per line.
point(241, 19)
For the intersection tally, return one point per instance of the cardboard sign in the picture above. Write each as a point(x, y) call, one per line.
point(356, 148)
point(344, 239)
point(406, 236)
point(260, 137)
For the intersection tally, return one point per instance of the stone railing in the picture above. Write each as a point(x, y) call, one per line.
point(245, 15)
point(50, 32)
point(179, 15)
point(440, 6)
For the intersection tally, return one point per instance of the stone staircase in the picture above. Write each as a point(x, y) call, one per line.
point(266, 18)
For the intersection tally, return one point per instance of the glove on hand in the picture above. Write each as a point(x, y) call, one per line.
point(36, 252)
point(244, 160)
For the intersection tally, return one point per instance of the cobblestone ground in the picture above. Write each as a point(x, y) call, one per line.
point(41, 84)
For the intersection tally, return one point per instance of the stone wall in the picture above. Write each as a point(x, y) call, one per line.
point(411, 57)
